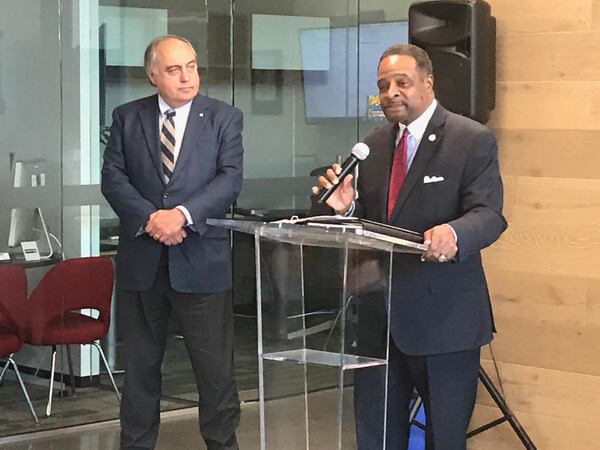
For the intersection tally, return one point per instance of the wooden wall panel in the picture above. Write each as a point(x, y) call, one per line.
point(509, 183)
point(544, 272)
point(558, 62)
point(547, 105)
point(559, 410)
point(559, 201)
point(534, 390)
point(548, 433)
point(565, 347)
point(547, 249)
point(546, 321)
point(542, 299)
point(536, 16)
point(549, 153)
point(592, 308)
point(596, 14)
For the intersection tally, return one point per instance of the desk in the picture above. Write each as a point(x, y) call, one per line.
point(20, 261)
point(108, 247)
point(35, 269)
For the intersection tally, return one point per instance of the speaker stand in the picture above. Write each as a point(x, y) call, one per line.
point(507, 414)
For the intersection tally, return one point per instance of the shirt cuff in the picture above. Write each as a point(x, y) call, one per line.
point(350, 210)
point(186, 213)
point(453, 232)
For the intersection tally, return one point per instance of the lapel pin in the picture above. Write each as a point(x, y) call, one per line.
point(201, 114)
point(432, 137)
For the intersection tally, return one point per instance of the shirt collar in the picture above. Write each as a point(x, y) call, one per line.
point(417, 127)
point(164, 106)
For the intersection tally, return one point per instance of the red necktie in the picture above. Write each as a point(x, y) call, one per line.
point(398, 172)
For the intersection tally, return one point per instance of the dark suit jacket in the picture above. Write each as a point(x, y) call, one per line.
point(206, 180)
point(439, 308)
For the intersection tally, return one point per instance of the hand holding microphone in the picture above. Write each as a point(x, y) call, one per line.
point(337, 191)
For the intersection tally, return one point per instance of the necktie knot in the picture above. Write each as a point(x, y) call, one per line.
point(405, 133)
point(170, 113)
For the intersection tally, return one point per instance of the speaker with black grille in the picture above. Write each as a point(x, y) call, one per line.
point(460, 38)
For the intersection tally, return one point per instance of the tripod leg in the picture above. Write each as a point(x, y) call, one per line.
point(415, 409)
point(508, 415)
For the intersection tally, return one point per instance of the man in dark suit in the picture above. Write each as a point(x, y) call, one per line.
point(442, 179)
point(173, 160)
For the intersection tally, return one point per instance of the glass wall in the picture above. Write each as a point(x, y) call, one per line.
point(31, 150)
point(302, 72)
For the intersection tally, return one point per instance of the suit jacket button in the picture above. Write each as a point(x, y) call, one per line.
point(166, 195)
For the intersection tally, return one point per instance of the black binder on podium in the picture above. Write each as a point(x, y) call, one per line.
point(367, 227)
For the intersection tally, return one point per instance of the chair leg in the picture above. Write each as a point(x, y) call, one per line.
point(23, 388)
point(5, 367)
point(42, 361)
point(71, 375)
point(49, 406)
point(112, 379)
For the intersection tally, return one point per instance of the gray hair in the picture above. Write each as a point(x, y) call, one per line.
point(420, 56)
point(150, 53)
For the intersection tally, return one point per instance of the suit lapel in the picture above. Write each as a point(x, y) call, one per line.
point(427, 148)
point(195, 123)
point(149, 118)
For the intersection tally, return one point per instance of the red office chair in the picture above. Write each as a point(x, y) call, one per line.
point(13, 298)
point(72, 285)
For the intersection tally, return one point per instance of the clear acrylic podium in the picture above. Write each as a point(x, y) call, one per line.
point(323, 298)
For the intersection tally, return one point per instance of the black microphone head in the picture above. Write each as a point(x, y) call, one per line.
point(360, 150)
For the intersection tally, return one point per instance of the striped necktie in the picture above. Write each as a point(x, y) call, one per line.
point(167, 144)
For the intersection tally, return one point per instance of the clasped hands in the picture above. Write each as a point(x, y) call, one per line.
point(166, 226)
point(440, 240)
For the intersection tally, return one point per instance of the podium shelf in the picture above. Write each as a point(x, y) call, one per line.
point(319, 357)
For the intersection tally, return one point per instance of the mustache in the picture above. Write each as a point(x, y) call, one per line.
point(392, 103)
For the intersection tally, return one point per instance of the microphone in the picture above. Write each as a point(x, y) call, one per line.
point(359, 152)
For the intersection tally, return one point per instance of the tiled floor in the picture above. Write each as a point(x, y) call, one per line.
point(179, 429)
point(98, 403)
point(285, 416)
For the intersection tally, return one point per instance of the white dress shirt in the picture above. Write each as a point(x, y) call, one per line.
point(416, 130)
